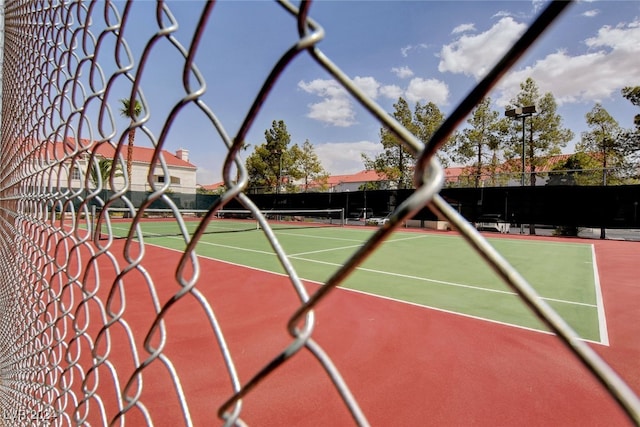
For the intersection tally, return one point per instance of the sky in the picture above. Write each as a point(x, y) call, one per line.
point(423, 51)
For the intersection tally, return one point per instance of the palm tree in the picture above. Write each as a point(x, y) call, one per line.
point(99, 175)
point(102, 173)
point(132, 112)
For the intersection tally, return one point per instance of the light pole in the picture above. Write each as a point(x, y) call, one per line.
point(523, 113)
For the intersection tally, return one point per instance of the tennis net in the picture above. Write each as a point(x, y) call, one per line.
point(118, 222)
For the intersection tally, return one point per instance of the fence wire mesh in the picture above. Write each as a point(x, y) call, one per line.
point(67, 330)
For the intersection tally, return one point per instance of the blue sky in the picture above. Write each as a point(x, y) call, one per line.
point(423, 50)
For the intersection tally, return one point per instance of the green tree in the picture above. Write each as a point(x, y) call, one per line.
point(271, 162)
point(396, 162)
point(308, 166)
point(604, 138)
point(428, 119)
point(371, 186)
point(480, 142)
point(103, 172)
point(632, 137)
point(633, 95)
point(545, 136)
point(131, 111)
point(215, 192)
point(202, 190)
point(579, 169)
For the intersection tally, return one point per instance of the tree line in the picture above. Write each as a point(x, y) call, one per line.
point(492, 148)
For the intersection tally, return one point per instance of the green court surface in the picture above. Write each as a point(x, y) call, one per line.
point(433, 270)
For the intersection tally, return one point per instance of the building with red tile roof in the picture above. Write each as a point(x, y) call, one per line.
point(212, 187)
point(179, 173)
point(350, 182)
point(507, 174)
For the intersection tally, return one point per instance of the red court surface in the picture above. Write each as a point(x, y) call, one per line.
point(406, 365)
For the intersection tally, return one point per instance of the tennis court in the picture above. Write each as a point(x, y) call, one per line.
point(428, 269)
point(451, 343)
point(144, 325)
point(403, 362)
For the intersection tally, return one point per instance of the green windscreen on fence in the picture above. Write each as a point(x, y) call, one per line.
point(131, 293)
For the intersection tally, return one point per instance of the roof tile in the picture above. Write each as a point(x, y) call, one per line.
point(106, 149)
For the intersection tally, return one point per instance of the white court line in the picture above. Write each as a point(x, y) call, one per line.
point(602, 318)
point(386, 273)
point(599, 305)
point(311, 236)
point(443, 282)
point(324, 250)
point(348, 247)
point(583, 304)
point(204, 243)
point(492, 240)
point(399, 301)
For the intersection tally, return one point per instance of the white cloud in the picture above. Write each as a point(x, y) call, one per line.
point(620, 38)
point(391, 91)
point(501, 14)
point(404, 51)
point(368, 85)
point(336, 108)
point(474, 55)
point(593, 76)
point(402, 72)
point(463, 28)
point(431, 90)
point(591, 13)
point(538, 5)
point(328, 88)
point(340, 158)
point(335, 111)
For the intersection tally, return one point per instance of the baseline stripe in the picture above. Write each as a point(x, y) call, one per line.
point(602, 318)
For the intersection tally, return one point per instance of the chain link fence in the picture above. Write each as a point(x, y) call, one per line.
point(62, 290)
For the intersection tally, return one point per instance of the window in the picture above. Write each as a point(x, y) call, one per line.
point(75, 173)
point(162, 179)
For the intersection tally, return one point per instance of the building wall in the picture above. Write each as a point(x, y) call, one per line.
point(182, 180)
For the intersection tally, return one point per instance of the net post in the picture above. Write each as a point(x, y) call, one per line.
point(92, 223)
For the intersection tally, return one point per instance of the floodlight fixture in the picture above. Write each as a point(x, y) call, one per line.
point(522, 113)
point(519, 112)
